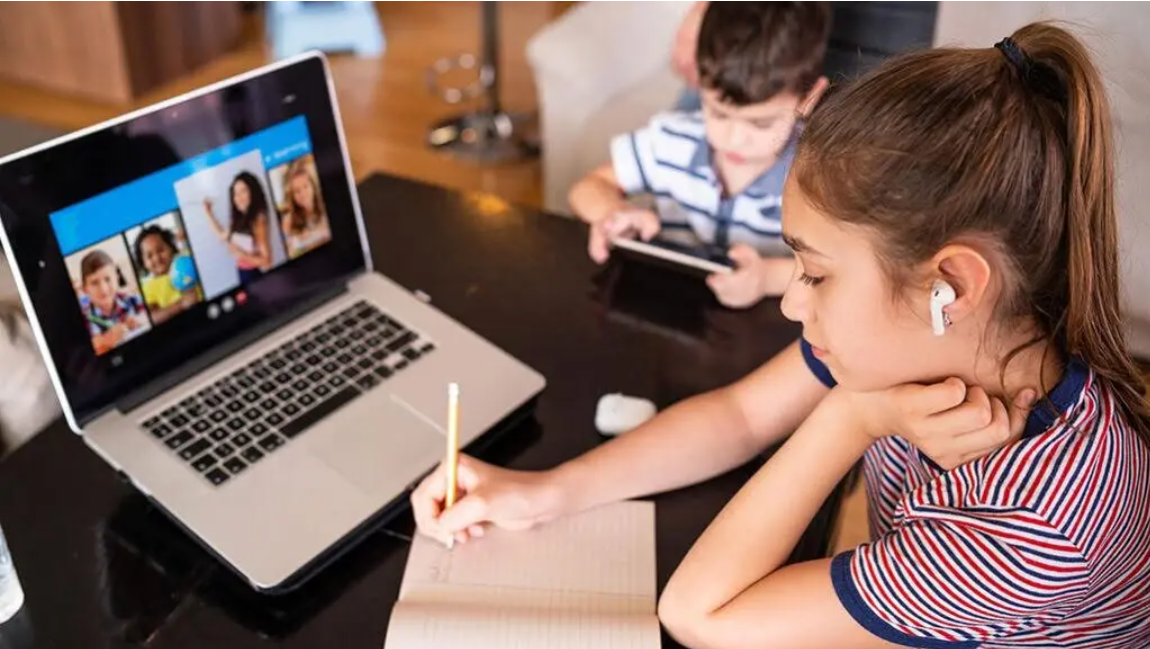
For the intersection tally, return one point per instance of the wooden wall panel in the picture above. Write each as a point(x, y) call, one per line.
point(112, 51)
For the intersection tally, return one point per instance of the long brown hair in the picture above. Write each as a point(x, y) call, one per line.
point(1009, 145)
point(244, 221)
point(298, 218)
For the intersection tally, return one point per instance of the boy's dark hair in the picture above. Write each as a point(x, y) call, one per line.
point(752, 51)
point(166, 236)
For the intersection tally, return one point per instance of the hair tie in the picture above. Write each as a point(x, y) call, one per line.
point(1038, 77)
point(1015, 55)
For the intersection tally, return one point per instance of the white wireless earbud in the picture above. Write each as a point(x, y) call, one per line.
point(941, 294)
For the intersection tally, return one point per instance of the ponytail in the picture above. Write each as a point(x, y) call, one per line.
point(1091, 325)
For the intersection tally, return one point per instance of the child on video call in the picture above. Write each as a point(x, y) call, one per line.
point(953, 217)
point(248, 235)
point(111, 313)
point(305, 223)
point(717, 176)
point(156, 249)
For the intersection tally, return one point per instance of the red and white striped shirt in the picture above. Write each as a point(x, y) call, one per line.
point(1044, 543)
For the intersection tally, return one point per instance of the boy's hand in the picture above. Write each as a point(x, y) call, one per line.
point(950, 422)
point(117, 333)
point(743, 286)
point(753, 279)
point(624, 223)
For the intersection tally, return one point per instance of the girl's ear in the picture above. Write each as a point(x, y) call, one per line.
point(969, 272)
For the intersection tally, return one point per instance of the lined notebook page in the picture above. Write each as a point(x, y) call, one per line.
point(583, 581)
point(438, 626)
point(608, 551)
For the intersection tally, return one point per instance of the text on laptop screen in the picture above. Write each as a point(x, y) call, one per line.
point(189, 238)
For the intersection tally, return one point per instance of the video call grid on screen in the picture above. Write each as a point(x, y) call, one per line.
point(178, 201)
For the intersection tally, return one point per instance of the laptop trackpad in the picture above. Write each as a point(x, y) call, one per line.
point(384, 452)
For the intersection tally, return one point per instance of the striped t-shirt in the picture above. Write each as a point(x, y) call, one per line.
point(1043, 543)
point(671, 160)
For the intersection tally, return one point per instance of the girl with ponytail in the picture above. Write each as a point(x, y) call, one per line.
point(956, 276)
point(990, 170)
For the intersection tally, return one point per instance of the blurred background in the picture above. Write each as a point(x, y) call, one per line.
point(566, 74)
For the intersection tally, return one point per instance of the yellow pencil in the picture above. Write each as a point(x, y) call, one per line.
point(452, 459)
point(452, 443)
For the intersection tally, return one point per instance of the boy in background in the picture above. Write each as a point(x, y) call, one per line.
point(717, 175)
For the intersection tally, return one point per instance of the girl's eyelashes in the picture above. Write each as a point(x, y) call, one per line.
point(810, 280)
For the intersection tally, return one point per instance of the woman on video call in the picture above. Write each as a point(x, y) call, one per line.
point(247, 235)
point(305, 225)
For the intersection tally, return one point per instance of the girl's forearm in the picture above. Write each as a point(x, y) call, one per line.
point(214, 224)
point(758, 529)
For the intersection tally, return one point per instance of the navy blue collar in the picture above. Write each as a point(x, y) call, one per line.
point(1047, 411)
point(701, 158)
point(1063, 397)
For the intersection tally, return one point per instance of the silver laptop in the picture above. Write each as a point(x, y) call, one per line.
point(198, 277)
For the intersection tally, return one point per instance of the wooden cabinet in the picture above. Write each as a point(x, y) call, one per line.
point(112, 51)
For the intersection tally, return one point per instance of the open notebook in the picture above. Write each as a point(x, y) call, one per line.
point(580, 582)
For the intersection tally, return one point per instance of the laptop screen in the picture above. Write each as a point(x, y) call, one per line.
point(147, 243)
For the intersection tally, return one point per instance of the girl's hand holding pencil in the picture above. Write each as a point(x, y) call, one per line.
point(463, 495)
point(486, 495)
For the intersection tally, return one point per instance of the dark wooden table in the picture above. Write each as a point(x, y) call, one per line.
point(100, 568)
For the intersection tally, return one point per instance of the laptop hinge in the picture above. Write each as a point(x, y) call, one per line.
point(200, 363)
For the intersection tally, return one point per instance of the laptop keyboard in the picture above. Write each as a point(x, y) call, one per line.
point(241, 418)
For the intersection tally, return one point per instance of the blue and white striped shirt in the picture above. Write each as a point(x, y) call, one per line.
point(670, 159)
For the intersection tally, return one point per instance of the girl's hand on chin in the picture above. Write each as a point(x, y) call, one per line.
point(950, 422)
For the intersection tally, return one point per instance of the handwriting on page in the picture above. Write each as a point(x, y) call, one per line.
point(582, 582)
point(608, 551)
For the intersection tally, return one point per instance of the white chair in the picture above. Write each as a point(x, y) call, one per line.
point(602, 68)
